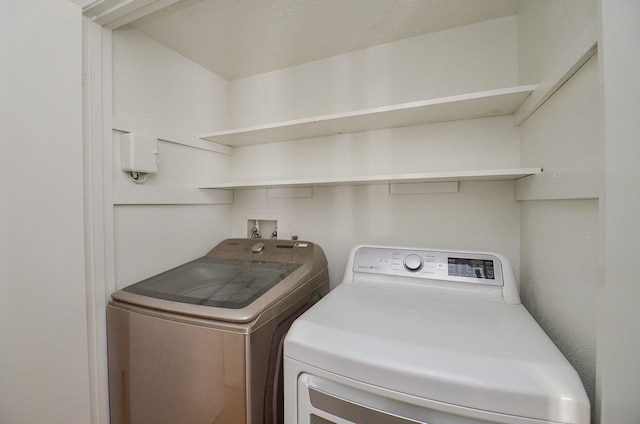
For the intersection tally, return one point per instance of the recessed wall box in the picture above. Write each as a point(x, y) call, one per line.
point(262, 228)
point(139, 153)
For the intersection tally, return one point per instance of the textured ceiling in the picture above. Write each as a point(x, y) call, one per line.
point(240, 38)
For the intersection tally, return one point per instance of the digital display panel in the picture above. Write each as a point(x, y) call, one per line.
point(471, 268)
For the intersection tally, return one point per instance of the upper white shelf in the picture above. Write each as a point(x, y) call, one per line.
point(503, 101)
point(427, 177)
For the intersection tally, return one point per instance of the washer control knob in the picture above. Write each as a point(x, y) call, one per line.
point(412, 263)
point(257, 248)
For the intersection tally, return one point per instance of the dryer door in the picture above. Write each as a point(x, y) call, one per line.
point(322, 401)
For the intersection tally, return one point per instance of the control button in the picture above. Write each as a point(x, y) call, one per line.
point(412, 263)
point(257, 248)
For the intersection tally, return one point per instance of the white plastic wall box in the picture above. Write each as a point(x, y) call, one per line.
point(139, 153)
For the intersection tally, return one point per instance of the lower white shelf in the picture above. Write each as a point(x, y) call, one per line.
point(478, 175)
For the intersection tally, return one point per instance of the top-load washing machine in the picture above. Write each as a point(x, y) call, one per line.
point(426, 336)
point(202, 343)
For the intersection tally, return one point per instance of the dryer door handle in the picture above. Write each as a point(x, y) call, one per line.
point(327, 400)
point(353, 411)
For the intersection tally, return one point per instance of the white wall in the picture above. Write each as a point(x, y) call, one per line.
point(619, 336)
point(43, 321)
point(490, 143)
point(160, 93)
point(546, 29)
point(154, 85)
point(472, 58)
point(481, 216)
point(560, 235)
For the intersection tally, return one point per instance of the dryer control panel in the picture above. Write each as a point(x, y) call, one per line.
point(484, 273)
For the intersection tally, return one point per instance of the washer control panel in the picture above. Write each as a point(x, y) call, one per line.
point(460, 266)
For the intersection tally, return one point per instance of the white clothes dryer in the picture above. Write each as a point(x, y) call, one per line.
point(426, 336)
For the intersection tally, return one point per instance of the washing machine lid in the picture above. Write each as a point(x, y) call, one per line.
point(222, 283)
point(476, 354)
point(240, 281)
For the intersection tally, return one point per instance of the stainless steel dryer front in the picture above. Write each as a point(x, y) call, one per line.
point(202, 343)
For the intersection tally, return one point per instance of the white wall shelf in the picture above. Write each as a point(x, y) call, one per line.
point(479, 175)
point(503, 101)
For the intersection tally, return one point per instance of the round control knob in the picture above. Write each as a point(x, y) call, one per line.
point(412, 263)
point(257, 248)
